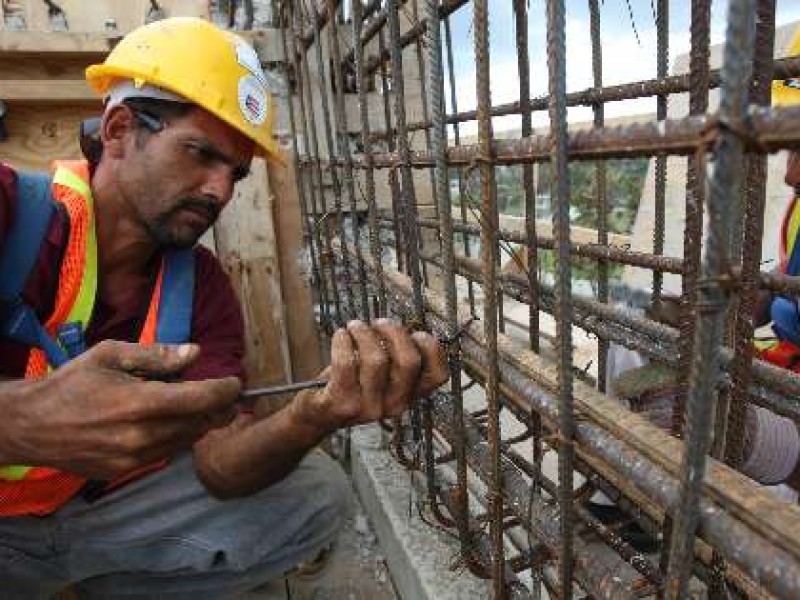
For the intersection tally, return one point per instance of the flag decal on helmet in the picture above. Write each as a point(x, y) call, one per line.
point(252, 99)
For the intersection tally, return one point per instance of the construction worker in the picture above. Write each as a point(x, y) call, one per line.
point(122, 345)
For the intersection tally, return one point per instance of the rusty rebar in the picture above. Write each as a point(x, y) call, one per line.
point(712, 298)
point(489, 269)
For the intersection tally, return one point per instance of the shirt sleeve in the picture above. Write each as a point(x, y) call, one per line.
point(8, 193)
point(217, 322)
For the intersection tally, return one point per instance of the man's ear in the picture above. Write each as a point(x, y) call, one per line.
point(117, 129)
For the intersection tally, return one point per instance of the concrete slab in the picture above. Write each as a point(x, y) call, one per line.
point(423, 560)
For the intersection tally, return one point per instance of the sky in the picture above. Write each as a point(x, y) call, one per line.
point(626, 56)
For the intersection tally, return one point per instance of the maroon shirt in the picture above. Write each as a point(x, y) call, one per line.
point(217, 324)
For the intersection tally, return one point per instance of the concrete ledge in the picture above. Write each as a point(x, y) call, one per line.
point(423, 560)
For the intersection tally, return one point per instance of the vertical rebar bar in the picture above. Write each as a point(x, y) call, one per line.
point(489, 224)
point(366, 148)
point(713, 300)
point(439, 150)
point(307, 217)
point(695, 196)
point(310, 132)
point(409, 218)
point(660, 169)
point(394, 185)
point(532, 256)
point(755, 196)
point(322, 81)
point(343, 138)
point(462, 198)
point(408, 203)
point(600, 186)
point(559, 175)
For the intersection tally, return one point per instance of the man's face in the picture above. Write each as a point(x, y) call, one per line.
point(177, 180)
point(793, 170)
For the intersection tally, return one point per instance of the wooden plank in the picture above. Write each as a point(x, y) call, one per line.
point(301, 328)
point(48, 91)
point(246, 245)
point(43, 66)
point(93, 45)
point(36, 137)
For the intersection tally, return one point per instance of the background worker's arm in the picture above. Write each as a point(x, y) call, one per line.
point(103, 413)
point(374, 373)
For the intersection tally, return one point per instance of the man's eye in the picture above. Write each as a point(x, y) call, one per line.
point(201, 154)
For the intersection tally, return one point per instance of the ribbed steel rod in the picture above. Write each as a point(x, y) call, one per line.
point(489, 270)
point(712, 301)
point(310, 240)
point(664, 86)
point(559, 194)
point(343, 145)
point(369, 175)
point(767, 131)
point(433, 42)
point(309, 119)
point(322, 84)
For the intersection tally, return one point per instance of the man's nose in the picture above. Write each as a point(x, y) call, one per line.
point(218, 186)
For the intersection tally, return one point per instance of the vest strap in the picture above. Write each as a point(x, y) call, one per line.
point(35, 208)
point(174, 321)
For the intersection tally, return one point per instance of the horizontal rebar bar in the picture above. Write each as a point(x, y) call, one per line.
point(767, 130)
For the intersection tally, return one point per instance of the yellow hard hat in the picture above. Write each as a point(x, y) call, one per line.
point(198, 61)
point(786, 92)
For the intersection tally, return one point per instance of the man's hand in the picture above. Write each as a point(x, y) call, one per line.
point(374, 373)
point(111, 410)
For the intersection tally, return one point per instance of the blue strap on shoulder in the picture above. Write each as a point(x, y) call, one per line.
point(174, 324)
point(35, 207)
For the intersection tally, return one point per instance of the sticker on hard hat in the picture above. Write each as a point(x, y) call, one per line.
point(248, 58)
point(253, 99)
point(792, 83)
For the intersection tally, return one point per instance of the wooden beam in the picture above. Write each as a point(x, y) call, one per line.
point(301, 329)
point(48, 91)
point(91, 45)
point(246, 246)
point(37, 137)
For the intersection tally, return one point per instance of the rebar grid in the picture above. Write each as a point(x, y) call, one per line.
point(387, 239)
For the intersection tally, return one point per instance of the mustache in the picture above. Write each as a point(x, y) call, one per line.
point(211, 207)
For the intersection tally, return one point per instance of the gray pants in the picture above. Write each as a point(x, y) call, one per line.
point(164, 537)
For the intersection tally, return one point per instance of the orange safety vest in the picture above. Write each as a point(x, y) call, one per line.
point(780, 352)
point(41, 490)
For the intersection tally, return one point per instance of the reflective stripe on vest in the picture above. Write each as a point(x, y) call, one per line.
point(789, 230)
point(39, 491)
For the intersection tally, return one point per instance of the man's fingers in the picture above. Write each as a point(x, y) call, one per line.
point(434, 363)
point(373, 365)
point(405, 365)
point(150, 361)
point(210, 397)
point(344, 361)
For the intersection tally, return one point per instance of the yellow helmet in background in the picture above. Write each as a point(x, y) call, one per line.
point(206, 65)
point(786, 92)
